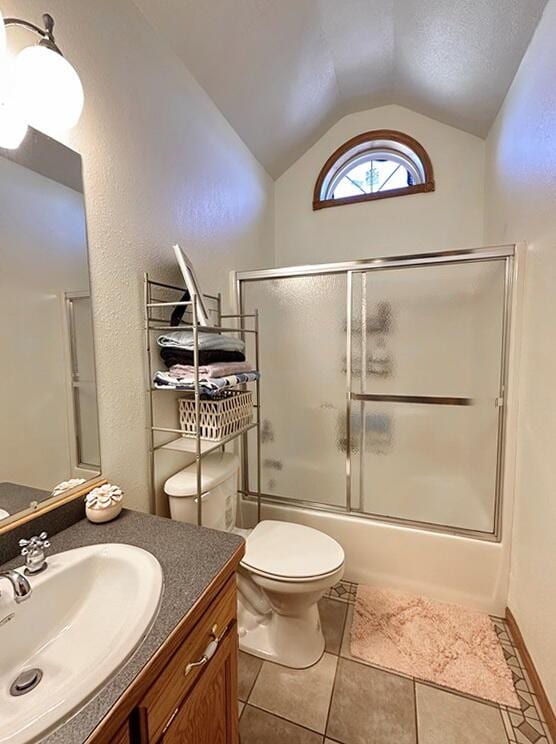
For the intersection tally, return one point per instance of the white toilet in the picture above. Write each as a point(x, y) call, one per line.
point(286, 569)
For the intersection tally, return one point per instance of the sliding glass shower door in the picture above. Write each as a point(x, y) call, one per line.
point(426, 372)
point(303, 358)
point(383, 387)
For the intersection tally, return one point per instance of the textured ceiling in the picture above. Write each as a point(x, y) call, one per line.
point(283, 71)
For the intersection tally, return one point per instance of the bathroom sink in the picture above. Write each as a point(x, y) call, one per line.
point(87, 612)
point(4, 514)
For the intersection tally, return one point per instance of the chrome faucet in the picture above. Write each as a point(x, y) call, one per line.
point(33, 552)
point(20, 585)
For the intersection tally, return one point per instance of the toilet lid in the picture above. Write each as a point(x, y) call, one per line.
point(291, 551)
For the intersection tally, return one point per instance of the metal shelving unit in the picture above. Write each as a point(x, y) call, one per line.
point(153, 305)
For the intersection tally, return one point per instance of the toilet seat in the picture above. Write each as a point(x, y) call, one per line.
point(290, 552)
point(286, 570)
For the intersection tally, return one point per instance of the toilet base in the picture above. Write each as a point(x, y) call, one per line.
point(295, 642)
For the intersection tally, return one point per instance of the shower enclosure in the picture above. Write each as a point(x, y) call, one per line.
point(84, 444)
point(385, 383)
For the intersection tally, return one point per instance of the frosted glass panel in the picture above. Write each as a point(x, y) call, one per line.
point(427, 463)
point(86, 416)
point(428, 331)
point(303, 388)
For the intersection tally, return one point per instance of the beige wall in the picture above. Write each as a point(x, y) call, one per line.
point(521, 199)
point(160, 165)
point(450, 217)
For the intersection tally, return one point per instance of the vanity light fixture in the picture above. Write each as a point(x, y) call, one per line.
point(2, 34)
point(47, 90)
point(13, 127)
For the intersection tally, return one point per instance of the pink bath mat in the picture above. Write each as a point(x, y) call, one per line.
point(433, 641)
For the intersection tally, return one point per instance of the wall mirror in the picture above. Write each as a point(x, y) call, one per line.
point(48, 396)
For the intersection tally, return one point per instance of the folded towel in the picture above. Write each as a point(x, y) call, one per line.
point(172, 355)
point(210, 387)
point(218, 369)
point(207, 341)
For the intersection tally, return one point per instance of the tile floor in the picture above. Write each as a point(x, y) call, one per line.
point(342, 699)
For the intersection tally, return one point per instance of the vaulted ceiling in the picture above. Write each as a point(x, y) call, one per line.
point(283, 71)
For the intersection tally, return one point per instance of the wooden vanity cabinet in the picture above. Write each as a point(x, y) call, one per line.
point(208, 714)
point(194, 699)
point(123, 737)
point(183, 697)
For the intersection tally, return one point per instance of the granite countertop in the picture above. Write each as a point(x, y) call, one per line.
point(190, 557)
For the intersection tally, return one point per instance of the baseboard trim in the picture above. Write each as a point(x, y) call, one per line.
point(539, 690)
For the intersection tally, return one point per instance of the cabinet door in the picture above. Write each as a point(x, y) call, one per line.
point(208, 715)
point(122, 737)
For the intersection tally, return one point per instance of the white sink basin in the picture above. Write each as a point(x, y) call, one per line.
point(87, 612)
point(4, 514)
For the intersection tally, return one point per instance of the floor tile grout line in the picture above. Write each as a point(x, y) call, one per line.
point(504, 725)
point(338, 659)
point(387, 670)
point(350, 591)
point(339, 599)
point(522, 673)
point(331, 697)
point(344, 628)
point(515, 728)
point(415, 712)
point(283, 718)
point(270, 712)
point(429, 683)
point(458, 693)
point(254, 681)
point(520, 711)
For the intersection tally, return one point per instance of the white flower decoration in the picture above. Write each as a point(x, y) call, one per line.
point(104, 496)
point(66, 485)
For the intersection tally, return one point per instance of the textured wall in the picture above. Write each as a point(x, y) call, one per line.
point(450, 217)
point(521, 193)
point(160, 164)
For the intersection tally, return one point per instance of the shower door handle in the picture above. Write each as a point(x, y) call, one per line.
point(438, 400)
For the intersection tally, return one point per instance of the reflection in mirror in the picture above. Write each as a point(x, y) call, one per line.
point(48, 399)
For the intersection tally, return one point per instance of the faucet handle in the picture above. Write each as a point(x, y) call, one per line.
point(33, 551)
point(37, 541)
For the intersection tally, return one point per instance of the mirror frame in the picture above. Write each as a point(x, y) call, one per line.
point(48, 157)
point(48, 505)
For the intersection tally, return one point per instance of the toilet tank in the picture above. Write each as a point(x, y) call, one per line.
point(219, 472)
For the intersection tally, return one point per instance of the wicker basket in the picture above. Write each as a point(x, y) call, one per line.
point(219, 418)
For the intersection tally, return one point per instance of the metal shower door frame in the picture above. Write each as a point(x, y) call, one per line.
point(75, 381)
point(504, 253)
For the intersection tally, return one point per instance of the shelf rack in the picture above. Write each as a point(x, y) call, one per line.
point(153, 323)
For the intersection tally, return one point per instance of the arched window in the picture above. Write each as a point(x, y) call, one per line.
point(374, 165)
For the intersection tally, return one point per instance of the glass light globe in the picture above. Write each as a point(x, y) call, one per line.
point(2, 34)
point(13, 127)
point(48, 89)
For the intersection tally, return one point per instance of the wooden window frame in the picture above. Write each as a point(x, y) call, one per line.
point(377, 134)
